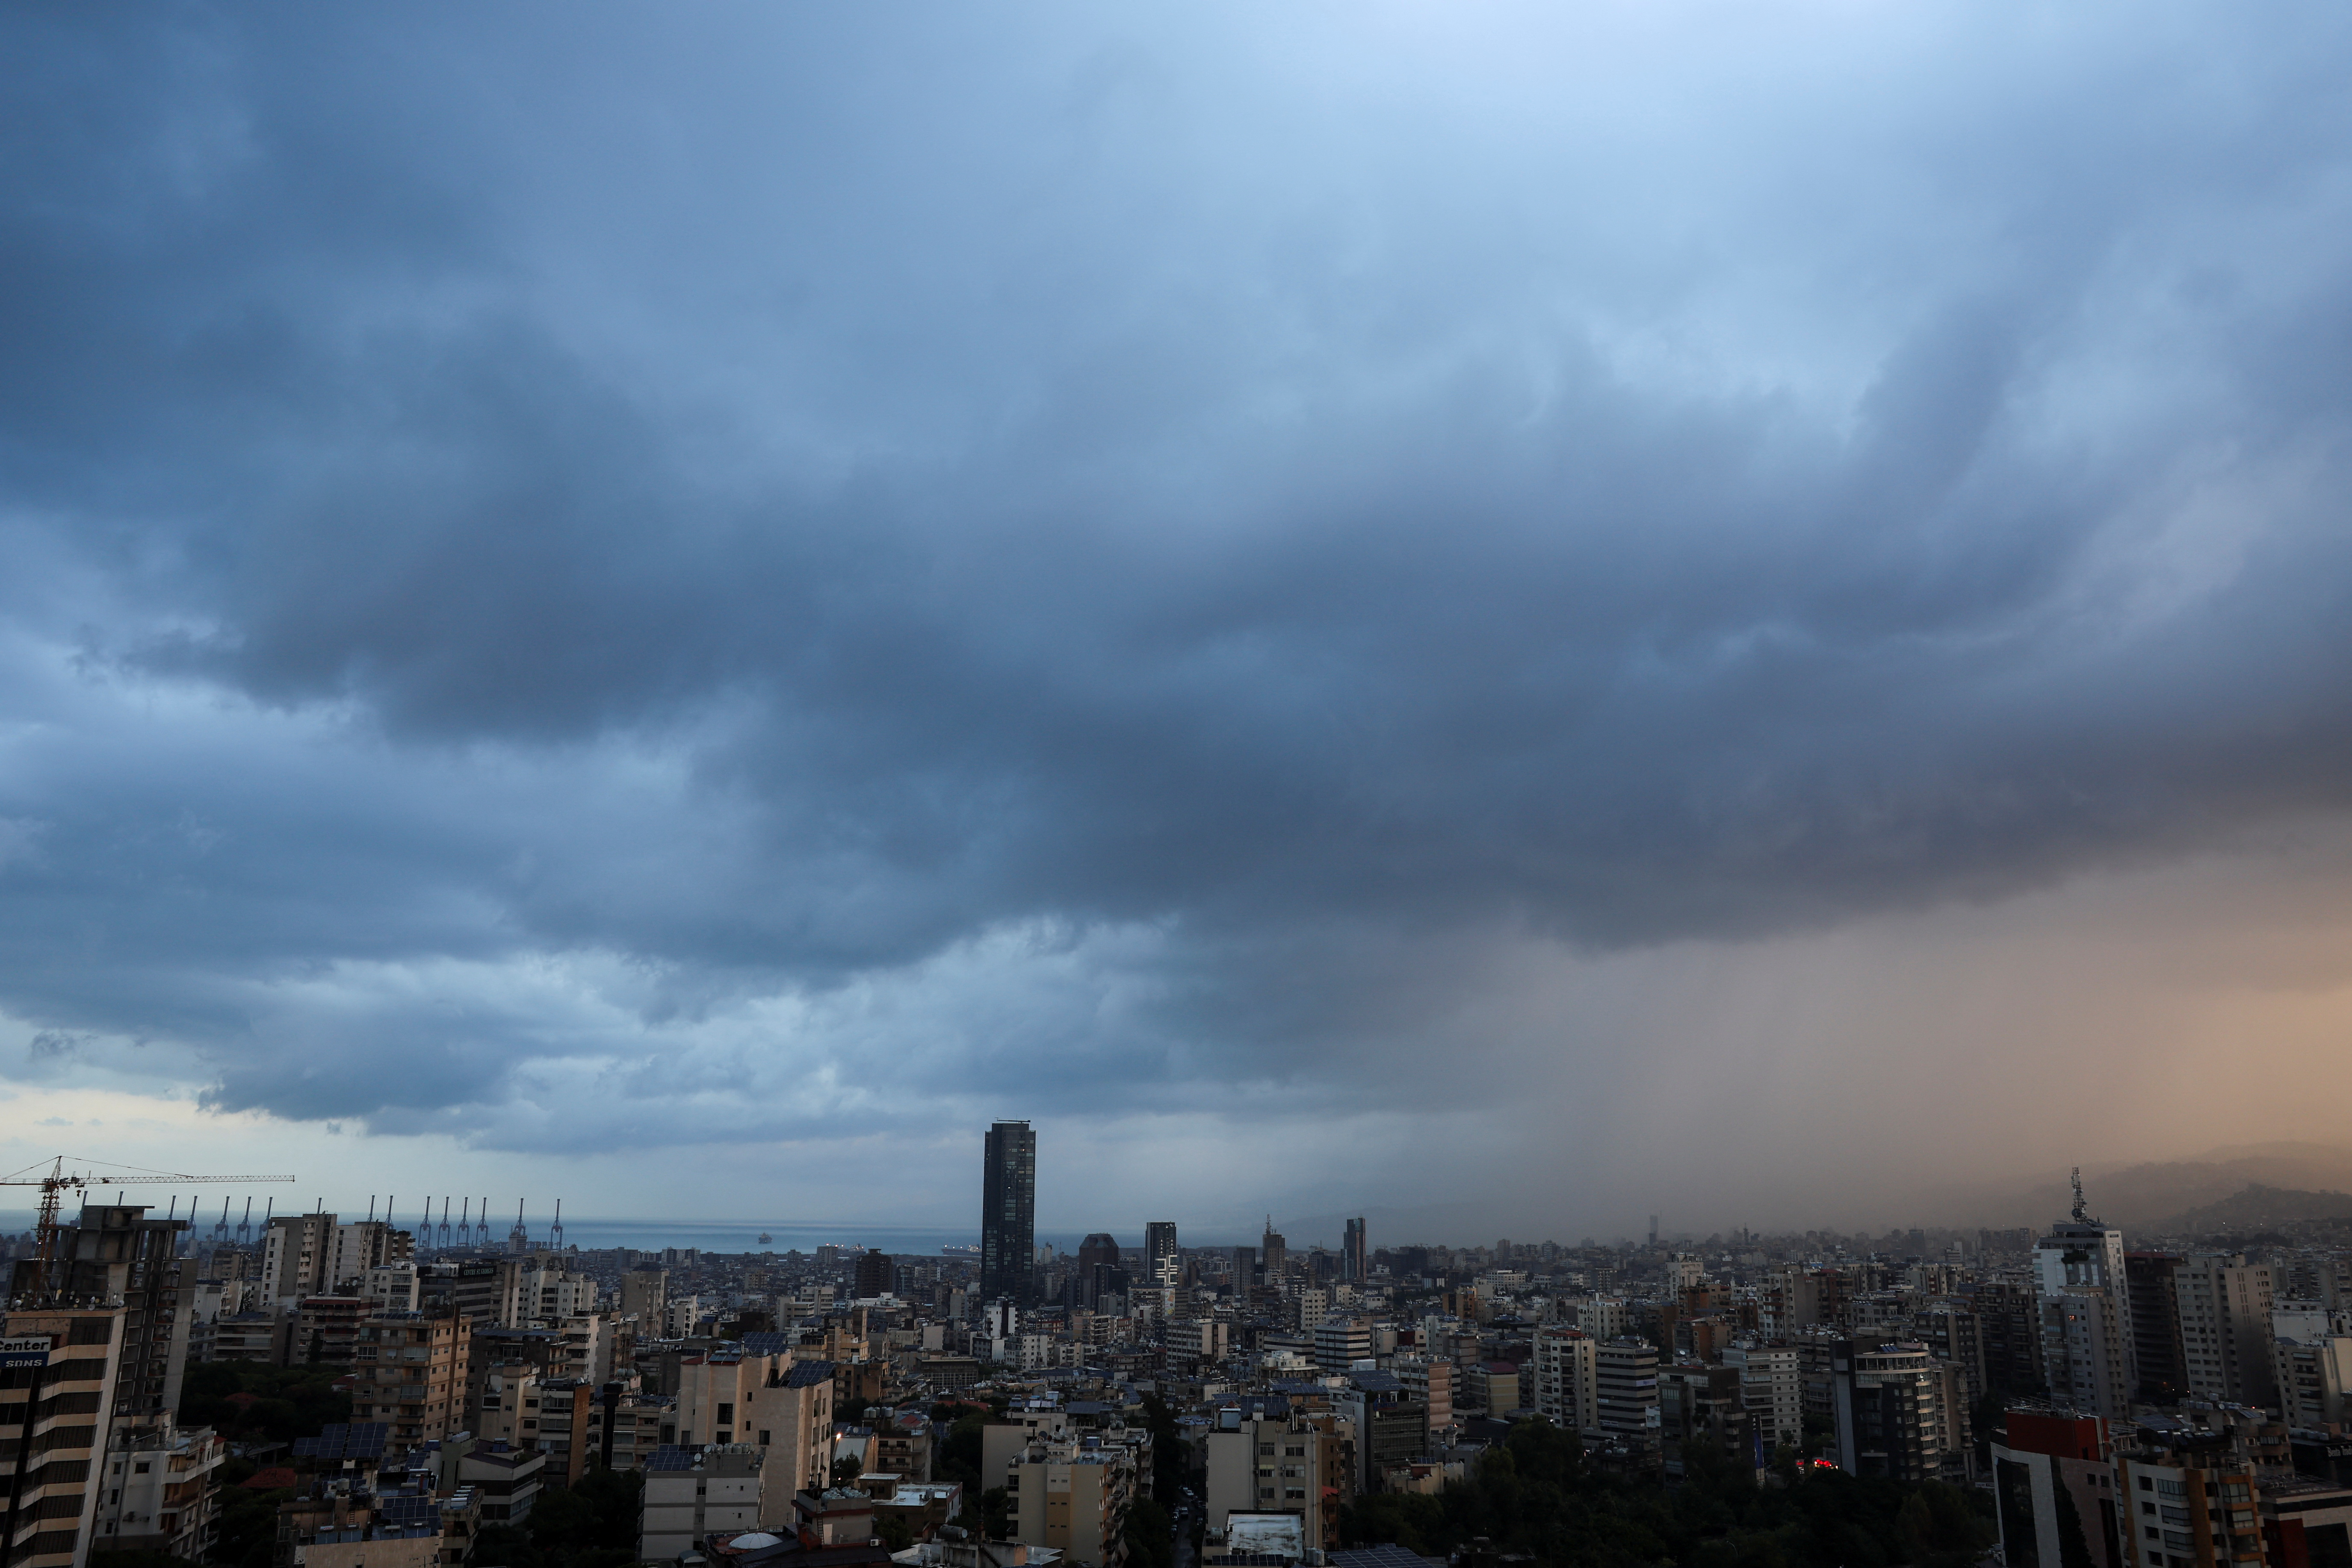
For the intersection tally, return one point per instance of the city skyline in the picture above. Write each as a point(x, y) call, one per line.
point(1531, 614)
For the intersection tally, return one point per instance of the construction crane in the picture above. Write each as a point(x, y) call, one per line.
point(57, 1179)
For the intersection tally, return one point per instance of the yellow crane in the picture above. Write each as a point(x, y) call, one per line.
point(54, 1182)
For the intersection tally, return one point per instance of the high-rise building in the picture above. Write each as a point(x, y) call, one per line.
point(644, 1296)
point(1272, 1253)
point(873, 1274)
point(2081, 1258)
point(1899, 1412)
point(1097, 1251)
point(1008, 1212)
point(1160, 1256)
point(2156, 1323)
point(1771, 1379)
point(296, 1255)
point(115, 1253)
point(1625, 1395)
point(1355, 1261)
point(70, 1366)
point(1566, 1388)
point(2315, 1380)
point(2225, 1327)
point(409, 1370)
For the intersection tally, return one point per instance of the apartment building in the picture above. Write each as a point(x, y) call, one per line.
point(1899, 1413)
point(1563, 1378)
point(409, 1370)
point(644, 1293)
point(157, 1494)
point(1625, 1395)
point(693, 1493)
point(1772, 1382)
point(2313, 1377)
point(1073, 1493)
point(1341, 1342)
point(1302, 1465)
point(2225, 1327)
point(771, 1401)
point(2191, 1507)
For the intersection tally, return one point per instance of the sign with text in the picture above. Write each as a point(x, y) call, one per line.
point(26, 1350)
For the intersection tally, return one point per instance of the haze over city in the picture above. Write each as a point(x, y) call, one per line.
point(1511, 617)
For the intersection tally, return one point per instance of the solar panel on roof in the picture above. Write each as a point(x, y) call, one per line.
point(359, 1440)
point(1386, 1556)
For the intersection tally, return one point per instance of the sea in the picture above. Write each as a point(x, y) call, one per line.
point(589, 1232)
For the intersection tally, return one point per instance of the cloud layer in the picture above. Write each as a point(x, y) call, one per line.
point(938, 564)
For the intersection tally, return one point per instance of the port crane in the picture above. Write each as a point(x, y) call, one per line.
point(55, 1182)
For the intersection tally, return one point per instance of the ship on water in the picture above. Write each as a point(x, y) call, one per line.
point(765, 1237)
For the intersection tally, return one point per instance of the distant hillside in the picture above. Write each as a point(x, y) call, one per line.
point(2256, 1207)
point(2159, 1194)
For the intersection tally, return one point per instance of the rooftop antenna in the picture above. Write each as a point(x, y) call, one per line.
point(555, 1231)
point(2080, 1217)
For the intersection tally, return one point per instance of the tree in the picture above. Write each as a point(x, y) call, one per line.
point(1150, 1534)
point(959, 1456)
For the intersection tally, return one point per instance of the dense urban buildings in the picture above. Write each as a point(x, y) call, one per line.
point(2172, 1405)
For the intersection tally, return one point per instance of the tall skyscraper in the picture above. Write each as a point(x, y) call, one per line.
point(1273, 1254)
point(1355, 1260)
point(1008, 1212)
point(1160, 1258)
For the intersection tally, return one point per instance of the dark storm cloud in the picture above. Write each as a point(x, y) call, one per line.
point(1095, 477)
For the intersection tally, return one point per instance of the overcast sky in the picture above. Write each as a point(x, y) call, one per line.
point(1737, 609)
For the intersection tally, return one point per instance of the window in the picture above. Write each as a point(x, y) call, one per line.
point(726, 1416)
point(2145, 1484)
point(763, 1436)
